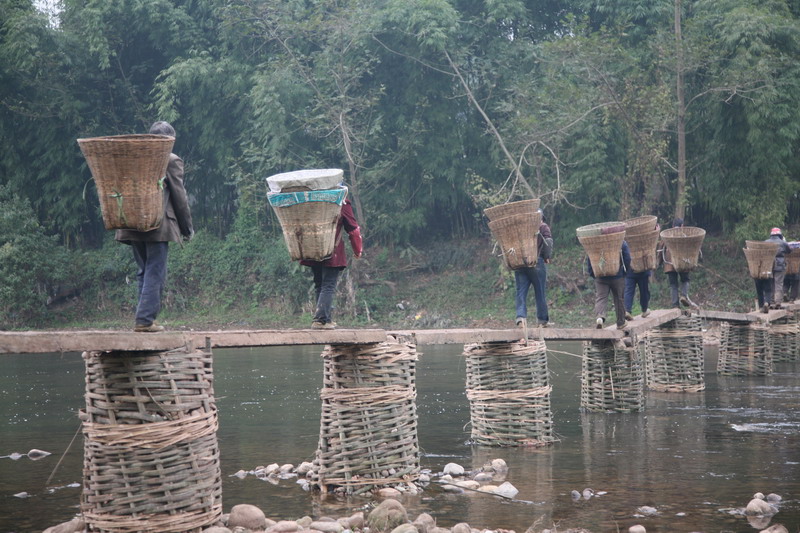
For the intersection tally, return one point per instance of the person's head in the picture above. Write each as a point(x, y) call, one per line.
point(677, 223)
point(542, 213)
point(776, 231)
point(162, 128)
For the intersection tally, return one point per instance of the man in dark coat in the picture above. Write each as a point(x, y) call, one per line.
point(150, 248)
point(778, 270)
point(326, 273)
point(537, 276)
point(615, 285)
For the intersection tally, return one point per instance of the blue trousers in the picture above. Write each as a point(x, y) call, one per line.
point(641, 280)
point(524, 278)
point(151, 258)
point(325, 279)
point(764, 291)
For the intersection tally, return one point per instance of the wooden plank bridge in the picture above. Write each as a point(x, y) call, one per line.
point(13, 342)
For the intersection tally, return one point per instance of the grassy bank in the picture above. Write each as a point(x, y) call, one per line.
point(249, 282)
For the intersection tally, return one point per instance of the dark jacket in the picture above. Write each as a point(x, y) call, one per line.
point(177, 220)
point(544, 233)
point(624, 266)
point(783, 248)
point(350, 225)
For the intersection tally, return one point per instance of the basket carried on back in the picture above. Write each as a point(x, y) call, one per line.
point(643, 250)
point(511, 208)
point(516, 236)
point(684, 245)
point(603, 250)
point(128, 172)
point(308, 216)
point(639, 225)
point(601, 228)
point(793, 263)
point(761, 260)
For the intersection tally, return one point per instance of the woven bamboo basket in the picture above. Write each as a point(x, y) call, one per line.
point(643, 250)
point(516, 236)
point(744, 350)
point(309, 227)
point(509, 394)
point(785, 336)
point(604, 252)
point(674, 360)
point(151, 458)
point(793, 263)
point(639, 225)
point(512, 208)
point(601, 228)
point(368, 427)
point(684, 245)
point(761, 245)
point(611, 379)
point(760, 261)
point(127, 171)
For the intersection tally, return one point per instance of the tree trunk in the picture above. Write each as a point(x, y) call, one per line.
point(680, 193)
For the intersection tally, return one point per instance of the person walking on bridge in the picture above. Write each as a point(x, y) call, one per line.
point(674, 276)
point(778, 270)
point(615, 285)
point(150, 248)
point(537, 276)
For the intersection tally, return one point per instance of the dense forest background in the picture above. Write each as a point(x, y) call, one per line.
point(435, 109)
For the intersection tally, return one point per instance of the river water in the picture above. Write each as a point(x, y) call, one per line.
point(696, 458)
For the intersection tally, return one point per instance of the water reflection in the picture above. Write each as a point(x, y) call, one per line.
point(691, 456)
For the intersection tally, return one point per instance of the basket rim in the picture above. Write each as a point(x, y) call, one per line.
point(682, 232)
point(599, 225)
point(128, 138)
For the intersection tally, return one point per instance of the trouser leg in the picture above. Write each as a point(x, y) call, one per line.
point(522, 281)
point(327, 289)
point(540, 291)
point(617, 287)
point(151, 260)
point(777, 297)
point(630, 290)
point(601, 289)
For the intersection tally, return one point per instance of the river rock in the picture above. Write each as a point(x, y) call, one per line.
point(469, 484)
point(389, 492)
point(453, 469)
point(499, 466)
point(488, 488)
point(247, 516)
point(305, 467)
point(461, 527)
point(217, 529)
point(405, 528)
point(424, 523)
point(773, 498)
point(575, 495)
point(424, 478)
point(758, 496)
point(35, 454)
point(483, 477)
point(73, 526)
point(241, 474)
point(271, 469)
point(775, 528)
point(387, 515)
point(354, 521)
point(439, 530)
point(588, 493)
point(285, 469)
point(452, 488)
point(758, 507)
point(647, 510)
point(327, 527)
point(507, 489)
point(638, 528)
point(305, 521)
point(284, 526)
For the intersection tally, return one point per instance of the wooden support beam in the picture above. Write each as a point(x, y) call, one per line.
point(656, 318)
point(725, 316)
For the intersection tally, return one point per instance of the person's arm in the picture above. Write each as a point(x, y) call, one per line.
point(626, 256)
point(353, 230)
point(178, 196)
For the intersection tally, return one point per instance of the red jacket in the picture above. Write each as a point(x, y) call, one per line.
point(347, 221)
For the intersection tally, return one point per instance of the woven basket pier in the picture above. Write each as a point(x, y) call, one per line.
point(785, 336)
point(512, 208)
point(509, 393)
point(604, 252)
point(151, 458)
point(368, 427)
point(517, 237)
point(643, 250)
point(744, 350)
point(127, 171)
point(639, 225)
point(612, 379)
point(674, 360)
point(684, 245)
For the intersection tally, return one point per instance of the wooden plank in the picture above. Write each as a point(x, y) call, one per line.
point(773, 314)
point(656, 318)
point(726, 316)
point(467, 336)
point(79, 341)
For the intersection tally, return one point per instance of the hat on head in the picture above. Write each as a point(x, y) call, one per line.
point(775, 231)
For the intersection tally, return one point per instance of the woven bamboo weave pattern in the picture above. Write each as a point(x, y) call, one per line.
point(674, 360)
point(785, 335)
point(517, 237)
point(684, 245)
point(512, 208)
point(760, 261)
point(744, 350)
point(151, 458)
point(509, 394)
point(639, 225)
point(604, 252)
point(793, 263)
point(368, 427)
point(612, 379)
point(127, 170)
point(642, 248)
point(309, 229)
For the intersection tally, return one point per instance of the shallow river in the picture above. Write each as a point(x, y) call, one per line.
point(695, 458)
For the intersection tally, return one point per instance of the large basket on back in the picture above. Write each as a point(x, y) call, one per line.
point(684, 245)
point(308, 217)
point(603, 250)
point(761, 259)
point(643, 250)
point(516, 236)
point(639, 225)
point(793, 259)
point(512, 208)
point(128, 172)
point(601, 228)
